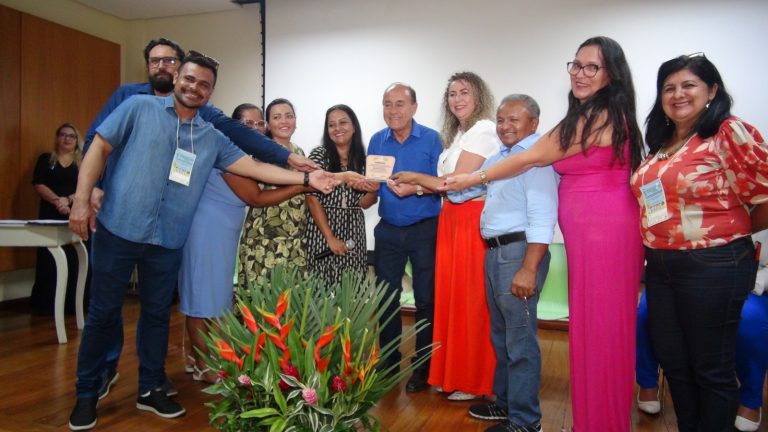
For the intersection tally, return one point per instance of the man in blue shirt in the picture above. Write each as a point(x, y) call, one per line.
point(161, 153)
point(517, 223)
point(408, 226)
point(162, 58)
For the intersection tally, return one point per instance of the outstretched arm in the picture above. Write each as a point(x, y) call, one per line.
point(249, 191)
point(245, 166)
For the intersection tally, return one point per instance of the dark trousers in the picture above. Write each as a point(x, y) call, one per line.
point(694, 306)
point(113, 260)
point(394, 247)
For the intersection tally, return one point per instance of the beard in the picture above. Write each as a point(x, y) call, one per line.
point(179, 96)
point(161, 82)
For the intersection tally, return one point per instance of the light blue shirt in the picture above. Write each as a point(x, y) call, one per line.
point(526, 202)
point(141, 204)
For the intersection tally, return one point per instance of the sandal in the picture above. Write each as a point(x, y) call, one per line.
point(189, 364)
point(205, 375)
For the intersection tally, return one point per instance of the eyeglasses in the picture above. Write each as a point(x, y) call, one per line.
point(590, 70)
point(155, 61)
point(215, 63)
point(68, 136)
point(254, 123)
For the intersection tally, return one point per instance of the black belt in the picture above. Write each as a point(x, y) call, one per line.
point(505, 239)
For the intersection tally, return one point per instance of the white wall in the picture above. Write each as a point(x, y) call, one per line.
point(336, 51)
point(320, 53)
point(233, 38)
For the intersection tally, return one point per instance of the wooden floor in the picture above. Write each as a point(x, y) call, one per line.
point(37, 378)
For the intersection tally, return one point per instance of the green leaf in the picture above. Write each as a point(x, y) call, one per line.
point(259, 413)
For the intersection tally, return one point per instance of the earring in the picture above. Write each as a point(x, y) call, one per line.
point(666, 120)
point(707, 105)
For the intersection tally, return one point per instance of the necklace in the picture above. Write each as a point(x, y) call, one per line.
point(671, 150)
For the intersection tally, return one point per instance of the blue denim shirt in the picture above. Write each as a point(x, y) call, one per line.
point(250, 140)
point(526, 202)
point(140, 203)
point(419, 153)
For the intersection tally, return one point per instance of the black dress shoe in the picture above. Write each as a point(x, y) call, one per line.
point(418, 382)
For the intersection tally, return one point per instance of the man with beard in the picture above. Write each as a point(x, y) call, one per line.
point(162, 57)
point(161, 153)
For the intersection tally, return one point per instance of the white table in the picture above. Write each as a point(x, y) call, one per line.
point(52, 235)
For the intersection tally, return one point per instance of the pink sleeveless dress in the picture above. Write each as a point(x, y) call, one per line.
point(600, 221)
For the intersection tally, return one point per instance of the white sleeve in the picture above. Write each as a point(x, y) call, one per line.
point(481, 139)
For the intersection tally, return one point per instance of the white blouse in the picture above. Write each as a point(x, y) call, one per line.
point(480, 139)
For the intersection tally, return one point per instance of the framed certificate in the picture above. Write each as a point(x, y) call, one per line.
point(379, 168)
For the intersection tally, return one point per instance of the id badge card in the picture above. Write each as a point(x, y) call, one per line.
point(655, 202)
point(181, 168)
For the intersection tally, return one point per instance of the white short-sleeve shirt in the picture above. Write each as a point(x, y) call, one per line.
point(480, 139)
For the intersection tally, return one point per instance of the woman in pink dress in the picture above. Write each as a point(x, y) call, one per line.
point(594, 148)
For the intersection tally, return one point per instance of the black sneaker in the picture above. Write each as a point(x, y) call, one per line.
point(508, 426)
point(169, 387)
point(488, 411)
point(109, 378)
point(157, 402)
point(83, 416)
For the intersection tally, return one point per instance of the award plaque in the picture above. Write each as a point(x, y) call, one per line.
point(379, 168)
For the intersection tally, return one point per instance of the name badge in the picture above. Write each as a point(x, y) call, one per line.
point(655, 202)
point(181, 168)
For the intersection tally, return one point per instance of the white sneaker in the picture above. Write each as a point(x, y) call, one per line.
point(459, 395)
point(746, 425)
point(649, 407)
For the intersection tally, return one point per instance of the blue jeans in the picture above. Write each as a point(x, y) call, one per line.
point(694, 306)
point(113, 259)
point(513, 334)
point(394, 247)
point(751, 350)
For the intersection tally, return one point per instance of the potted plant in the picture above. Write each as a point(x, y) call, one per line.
point(296, 355)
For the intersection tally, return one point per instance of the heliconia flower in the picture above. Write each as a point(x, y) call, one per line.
point(227, 353)
point(285, 358)
point(248, 319)
point(346, 350)
point(246, 349)
point(338, 384)
point(282, 303)
point(244, 380)
point(309, 395)
point(277, 341)
point(259, 345)
point(270, 318)
point(324, 340)
point(286, 329)
point(222, 374)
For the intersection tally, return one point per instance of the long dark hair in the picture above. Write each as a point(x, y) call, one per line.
point(356, 158)
point(268, 111)
point(658, 128)
point(616, 99)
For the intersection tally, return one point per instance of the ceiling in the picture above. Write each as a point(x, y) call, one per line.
point(146, 9)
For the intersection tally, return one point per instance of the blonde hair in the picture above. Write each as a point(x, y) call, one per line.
point(78, 156)
point(484, 106)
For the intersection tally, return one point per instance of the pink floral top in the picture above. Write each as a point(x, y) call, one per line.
point(708, 186)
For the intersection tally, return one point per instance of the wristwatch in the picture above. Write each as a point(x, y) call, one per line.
point(419, 190)
point(483, 177)
point(306, 179)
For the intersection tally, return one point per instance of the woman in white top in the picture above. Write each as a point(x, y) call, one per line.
point(465, 362)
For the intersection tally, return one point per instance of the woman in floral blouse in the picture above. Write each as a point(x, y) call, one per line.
point(274, 234)
point(705, 170)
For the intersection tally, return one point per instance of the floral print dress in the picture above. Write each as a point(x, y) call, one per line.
point(273, 235)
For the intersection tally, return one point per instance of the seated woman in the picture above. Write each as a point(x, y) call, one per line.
point(337, 218)
point(751, 352)
point(55, 180)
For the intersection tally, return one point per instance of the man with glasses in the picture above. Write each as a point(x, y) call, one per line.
point(161, 153)
point(162, 57)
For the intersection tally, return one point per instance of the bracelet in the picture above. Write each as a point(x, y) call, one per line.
point(483, 177)
point(306, 179)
